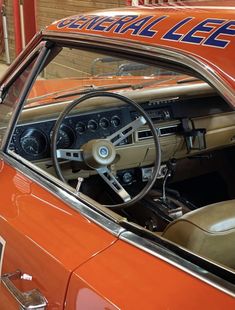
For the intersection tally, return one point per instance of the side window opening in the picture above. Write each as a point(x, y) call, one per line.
point(105, 147)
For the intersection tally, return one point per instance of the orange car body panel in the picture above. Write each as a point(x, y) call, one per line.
point(54, 238)
point(128, 275)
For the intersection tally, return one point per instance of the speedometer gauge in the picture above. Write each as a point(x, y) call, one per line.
point(33, 142)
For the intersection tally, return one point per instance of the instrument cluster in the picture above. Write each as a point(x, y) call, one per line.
point(33, 141)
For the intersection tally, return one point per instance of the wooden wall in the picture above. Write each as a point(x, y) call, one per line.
point(10, 25)
point(50, 10)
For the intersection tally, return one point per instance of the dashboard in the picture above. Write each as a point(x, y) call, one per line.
point(32, 140)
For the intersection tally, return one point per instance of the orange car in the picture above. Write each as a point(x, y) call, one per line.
point(117, 169)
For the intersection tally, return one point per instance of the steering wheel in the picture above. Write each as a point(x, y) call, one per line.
point(100, 154)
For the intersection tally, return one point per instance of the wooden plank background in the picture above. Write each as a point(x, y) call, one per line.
point(10, 25)
point(48, 11)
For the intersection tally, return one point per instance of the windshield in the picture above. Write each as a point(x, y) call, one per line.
point(73, 72)
point(69, 73)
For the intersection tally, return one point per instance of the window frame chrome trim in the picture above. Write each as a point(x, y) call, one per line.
point(13, 119)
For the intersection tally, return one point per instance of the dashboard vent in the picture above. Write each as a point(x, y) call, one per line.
point(163, 131)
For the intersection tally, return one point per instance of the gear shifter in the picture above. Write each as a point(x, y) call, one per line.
point(171, 166)
point(172, 207)
point(169, 206)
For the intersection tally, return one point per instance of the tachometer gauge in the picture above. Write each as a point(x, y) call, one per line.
point(65, 137)
point(33, 142)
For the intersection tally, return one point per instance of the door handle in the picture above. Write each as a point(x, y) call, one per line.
point(27, 300)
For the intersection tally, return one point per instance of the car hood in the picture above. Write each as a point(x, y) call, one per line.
point(56, 90)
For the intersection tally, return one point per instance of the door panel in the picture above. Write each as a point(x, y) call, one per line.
point(44, 237)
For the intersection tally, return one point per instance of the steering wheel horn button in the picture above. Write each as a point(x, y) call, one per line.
point(103, 151)
point(99, 153)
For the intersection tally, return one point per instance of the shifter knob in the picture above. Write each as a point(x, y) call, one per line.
point(171, 165)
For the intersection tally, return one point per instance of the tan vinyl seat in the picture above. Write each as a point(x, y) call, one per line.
point(208, 231)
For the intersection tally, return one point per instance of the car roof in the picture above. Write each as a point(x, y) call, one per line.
point(205, 33)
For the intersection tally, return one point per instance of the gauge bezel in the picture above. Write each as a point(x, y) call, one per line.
point(83, 124)
point(40, 138)
point(94, 122)
point(70, 133)
point(112, 121)
point(106, 120)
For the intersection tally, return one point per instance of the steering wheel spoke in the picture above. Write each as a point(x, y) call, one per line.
point(70, 154)
point(126, 131)
point(110, 179)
